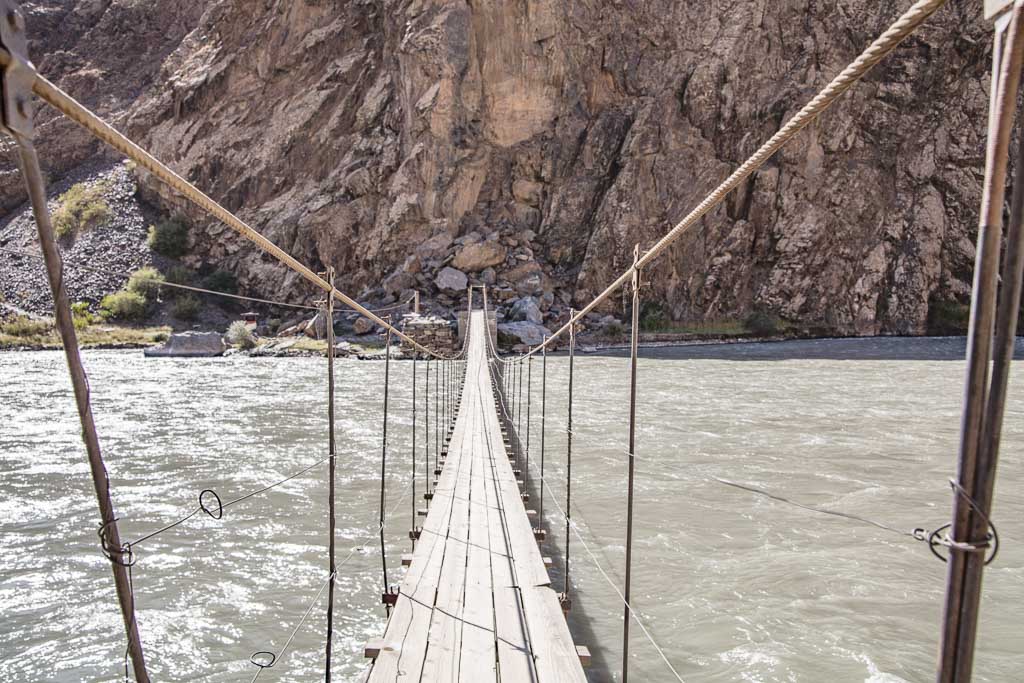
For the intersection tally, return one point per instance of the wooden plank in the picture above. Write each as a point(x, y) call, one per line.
point(445, 633)
point(479, 648)
point(405, 640)
point(476, 605)
point(515, 660)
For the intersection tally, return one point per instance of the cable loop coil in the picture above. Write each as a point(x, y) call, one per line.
point(121, 555)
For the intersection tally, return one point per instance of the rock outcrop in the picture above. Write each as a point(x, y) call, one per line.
point(190, 345)
point(530, 145)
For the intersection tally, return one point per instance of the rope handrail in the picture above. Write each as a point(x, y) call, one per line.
point(854, 72)
point(107, 134)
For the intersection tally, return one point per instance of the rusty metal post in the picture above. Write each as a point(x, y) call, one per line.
point(543, 423)
point(568, 465)
point(332, 451)
point(414, 501)
point(633, 353)
point(426, 432)
point(529, 395)
point(383, 471)
point(519, 414)
point(981, 421)
point(18, 77)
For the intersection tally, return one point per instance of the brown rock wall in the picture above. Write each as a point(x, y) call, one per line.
point(374, 135)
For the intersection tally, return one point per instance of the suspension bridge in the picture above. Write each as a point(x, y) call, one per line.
point(477, 602)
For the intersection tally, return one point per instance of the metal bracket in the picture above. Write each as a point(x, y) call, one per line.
point(995, 7)
point(19, 74)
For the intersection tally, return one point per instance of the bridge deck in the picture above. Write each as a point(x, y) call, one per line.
point(476, 604)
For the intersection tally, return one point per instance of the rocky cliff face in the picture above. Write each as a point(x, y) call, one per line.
point(530, 143)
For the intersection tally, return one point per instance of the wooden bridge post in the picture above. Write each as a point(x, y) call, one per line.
point(18, 77)
point(633, 352)
point(971, 533)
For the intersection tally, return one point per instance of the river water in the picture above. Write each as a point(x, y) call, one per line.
point(734, 586)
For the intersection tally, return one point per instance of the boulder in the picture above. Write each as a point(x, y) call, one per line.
point(528, 191)
point(363, 326)
point(526, 309)
point(451, 280)
point(488, 276)
point(479, 255)
point(189, 345)
point(398, 281)
point(523, 332)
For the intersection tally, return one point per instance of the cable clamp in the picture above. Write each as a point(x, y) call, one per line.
point(18, 76)
point(941, 538)
point(123, 555)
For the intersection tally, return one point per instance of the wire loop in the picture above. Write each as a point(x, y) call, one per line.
point(122, 555)
point(266, 663)
point(202, 505)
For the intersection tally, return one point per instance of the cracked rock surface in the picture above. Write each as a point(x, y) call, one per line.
point(531, 144)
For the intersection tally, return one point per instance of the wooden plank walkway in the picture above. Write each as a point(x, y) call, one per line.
point(476, 604)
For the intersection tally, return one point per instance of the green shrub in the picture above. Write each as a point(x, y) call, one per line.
point(169, 238)
point(274, 324)
point(186, 307)
point(81, 316)
point(161, 337)
point(221, 281)
point(179, 275)
point(239, 334)
point(145, 282)
point(948, 317)
point(23, 326)
point(81, 207)
point(763, 323)
point(124, 305)
point(653, 317)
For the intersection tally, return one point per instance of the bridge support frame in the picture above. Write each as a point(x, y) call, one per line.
point(990, 347)
point(19, 76)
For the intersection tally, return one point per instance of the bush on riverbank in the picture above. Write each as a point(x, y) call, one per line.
point(81, 315)
point(124, 305)
point(239, 334)
point(169, 238)
point(186, 307)
point(145, 282)
point(763, 324)
point(221, 281)
point(23, 326)
point(82, 207)
point(948, 317)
